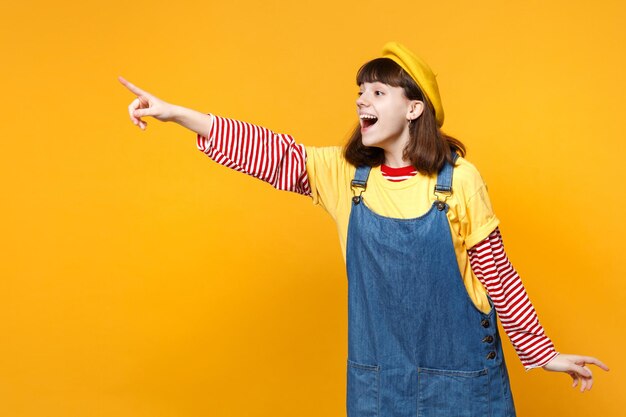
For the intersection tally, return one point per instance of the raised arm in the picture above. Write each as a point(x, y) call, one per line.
point(271, 157)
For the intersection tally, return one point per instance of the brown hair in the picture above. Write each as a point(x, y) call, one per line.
point(428, 147)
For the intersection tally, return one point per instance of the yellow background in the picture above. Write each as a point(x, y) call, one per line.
point(139, 278)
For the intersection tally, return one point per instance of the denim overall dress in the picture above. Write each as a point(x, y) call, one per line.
point(417, 344)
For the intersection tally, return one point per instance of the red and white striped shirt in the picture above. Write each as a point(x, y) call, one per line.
point(277, 159)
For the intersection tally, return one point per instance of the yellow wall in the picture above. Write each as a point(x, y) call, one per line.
point(139, 278)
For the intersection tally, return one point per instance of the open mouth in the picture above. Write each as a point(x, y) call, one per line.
point(368, 121)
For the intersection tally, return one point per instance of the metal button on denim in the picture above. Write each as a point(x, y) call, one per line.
point(491, 355)
point(485, 323)
point(488, 339)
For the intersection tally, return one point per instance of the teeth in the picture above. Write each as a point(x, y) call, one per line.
point(367, 116)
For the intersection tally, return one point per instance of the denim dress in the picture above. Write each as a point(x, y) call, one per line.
point(417, 344)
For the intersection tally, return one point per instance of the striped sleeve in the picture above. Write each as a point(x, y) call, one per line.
point(517, 315)
point(254, 150)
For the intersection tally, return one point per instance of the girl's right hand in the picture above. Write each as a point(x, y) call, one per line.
point(147, 105)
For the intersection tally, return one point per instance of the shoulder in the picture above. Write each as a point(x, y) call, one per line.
point(323, 152)
point(466, 178)
point(327, 158)
point(329, 175)
point(472, 204)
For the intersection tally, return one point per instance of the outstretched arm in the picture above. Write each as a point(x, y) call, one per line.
point(519, 319)
point(271, 157)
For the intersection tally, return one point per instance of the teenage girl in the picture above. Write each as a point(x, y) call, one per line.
point(426, 266)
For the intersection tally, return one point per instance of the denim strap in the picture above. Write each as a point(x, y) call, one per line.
point(360, 176)
point(360, 181)
point(444, 177)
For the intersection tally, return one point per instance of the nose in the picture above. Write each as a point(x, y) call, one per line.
point(361, 101)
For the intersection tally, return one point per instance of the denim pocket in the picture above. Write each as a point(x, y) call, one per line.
point(363, 389)
point(443, 392)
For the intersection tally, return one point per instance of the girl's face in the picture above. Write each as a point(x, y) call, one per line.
point(391, 111)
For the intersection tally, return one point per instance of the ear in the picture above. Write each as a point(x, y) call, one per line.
point(416, 107)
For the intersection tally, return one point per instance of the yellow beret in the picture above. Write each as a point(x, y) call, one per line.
point(419, 71)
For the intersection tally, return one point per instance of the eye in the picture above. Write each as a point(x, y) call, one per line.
point(375, 92)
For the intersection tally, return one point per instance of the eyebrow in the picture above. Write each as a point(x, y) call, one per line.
point(374, 83)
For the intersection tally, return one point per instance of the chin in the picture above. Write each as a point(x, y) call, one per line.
point(371, 143)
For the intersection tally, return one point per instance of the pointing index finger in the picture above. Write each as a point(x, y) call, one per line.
point(131, 86)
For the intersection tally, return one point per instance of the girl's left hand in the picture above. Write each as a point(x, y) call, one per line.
point(574, 365)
